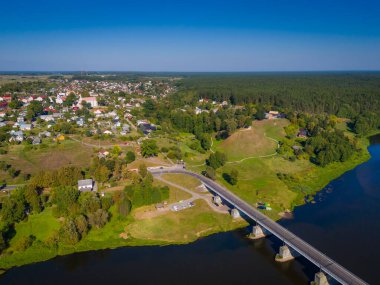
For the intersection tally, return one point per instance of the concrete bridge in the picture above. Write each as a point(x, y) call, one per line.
point(326, 264)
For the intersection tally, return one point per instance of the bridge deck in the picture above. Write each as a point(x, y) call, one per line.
point(329, 266)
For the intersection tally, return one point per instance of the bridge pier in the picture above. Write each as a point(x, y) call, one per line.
point(217, 200)
point(257, 232)
point(235, 213)
point(320, 279)
point(284, 254)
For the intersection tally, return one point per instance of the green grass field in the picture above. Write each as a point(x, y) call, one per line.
point(184, 226)
point(253, 142)
point(258, 181)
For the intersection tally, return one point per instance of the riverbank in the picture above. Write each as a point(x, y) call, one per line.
point(156, 231)
point(173, 228)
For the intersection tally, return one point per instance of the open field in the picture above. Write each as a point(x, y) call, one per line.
point(258, 180)
point(4, 79)
point(255, 141)
point(54, 156)
point(184, 226)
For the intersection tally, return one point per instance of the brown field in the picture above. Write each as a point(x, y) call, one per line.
point(53, 157)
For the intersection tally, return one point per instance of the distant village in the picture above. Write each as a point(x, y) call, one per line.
point(103, 108)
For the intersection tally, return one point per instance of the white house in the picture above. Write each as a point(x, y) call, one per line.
point(85, 185)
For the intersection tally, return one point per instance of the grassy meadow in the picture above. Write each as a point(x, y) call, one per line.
point(53, 156)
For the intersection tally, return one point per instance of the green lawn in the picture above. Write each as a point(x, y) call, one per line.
point(183, 226)
point(39, 225)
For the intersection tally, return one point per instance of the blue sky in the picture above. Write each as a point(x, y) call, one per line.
point(237, 35)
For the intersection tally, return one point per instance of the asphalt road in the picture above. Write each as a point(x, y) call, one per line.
point(327, 265)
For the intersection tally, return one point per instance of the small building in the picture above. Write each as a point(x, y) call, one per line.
point(45, 134)
point(85, 185)
point(36, 141)
point(272, 115)
point(25, 127)
point(103, 154)
point(302, 133)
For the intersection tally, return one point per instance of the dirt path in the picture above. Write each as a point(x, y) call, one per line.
point(195, 196)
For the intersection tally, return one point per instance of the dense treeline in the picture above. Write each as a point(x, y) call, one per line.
point(353, 95)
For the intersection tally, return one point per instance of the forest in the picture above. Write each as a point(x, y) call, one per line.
point(350, 95)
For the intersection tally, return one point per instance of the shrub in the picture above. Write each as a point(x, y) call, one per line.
point(24, 243)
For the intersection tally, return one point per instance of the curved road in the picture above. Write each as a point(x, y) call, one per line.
point(326, 264)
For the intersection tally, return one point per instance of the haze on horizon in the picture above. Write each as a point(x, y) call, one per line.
point(254, 35)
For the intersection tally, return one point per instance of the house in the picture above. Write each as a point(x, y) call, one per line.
point(107, 132)
point(80, 122)
point(85, 185)
point(45, 134)
point(20, 119)
point(147, 128)
point(302, 133)
point(47, 118)
point(90, 100)
point(103, 154)
point(36, 141)
point(25, 127)
point(126, 128)
point(272, 115)
point(16, 136)
point(57, 115)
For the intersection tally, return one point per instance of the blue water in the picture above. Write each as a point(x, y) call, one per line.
point(344, 224)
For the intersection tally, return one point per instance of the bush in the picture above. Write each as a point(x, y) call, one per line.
point(216, 160)
point(209, 172)
point(68, 233)
point(24, 243)
point(98, 219)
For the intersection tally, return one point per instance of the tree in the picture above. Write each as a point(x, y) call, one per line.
point(102, 174)
point(260, 114)
point(231, 177)
point(209, 172)
point(116, 151)
point(130, 157)
point(143, 171)
point(3, 244)
point(68, 233)
point(65, 198)
point(98, 219)
point(89, 202)
point(123, 204)
point(216, 159)
point(14, 208)
point(205, 142)
point(149, 148)
point(33, 199)
point(81, 224)
point(70, 100)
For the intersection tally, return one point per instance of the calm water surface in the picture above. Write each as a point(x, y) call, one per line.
point(344, 224)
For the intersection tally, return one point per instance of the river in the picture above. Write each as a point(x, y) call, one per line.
point(344, 223)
